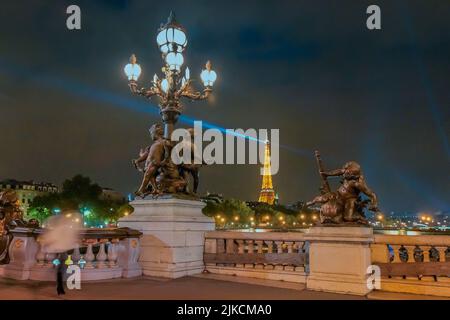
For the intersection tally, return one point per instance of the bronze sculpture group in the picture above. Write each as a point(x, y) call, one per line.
point(345, 205)
point(11, 216)
point(160, 174)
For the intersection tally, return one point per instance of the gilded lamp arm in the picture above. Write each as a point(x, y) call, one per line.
point(196, 95)
point(146, 92)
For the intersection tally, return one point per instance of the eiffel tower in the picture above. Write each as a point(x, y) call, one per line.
point(267, 194)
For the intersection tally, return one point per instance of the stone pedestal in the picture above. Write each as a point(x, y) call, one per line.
point(22, 253)
point(173, 235)
point(338, 259)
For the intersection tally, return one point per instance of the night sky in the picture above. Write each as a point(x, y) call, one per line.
point(310, 68)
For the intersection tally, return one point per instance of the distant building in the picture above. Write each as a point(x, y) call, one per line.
point(27, 190)
point(112, 195)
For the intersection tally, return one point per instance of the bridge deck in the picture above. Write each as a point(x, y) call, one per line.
point(188, 288)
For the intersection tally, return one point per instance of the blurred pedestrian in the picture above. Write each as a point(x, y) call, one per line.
point(60, 271)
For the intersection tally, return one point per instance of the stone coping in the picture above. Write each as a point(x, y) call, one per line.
point(271, 236)
point(106, 233)
point(430, 240)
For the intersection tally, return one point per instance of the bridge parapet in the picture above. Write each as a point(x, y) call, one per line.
point(266, 255)
point(100, 253)
point(413, 264)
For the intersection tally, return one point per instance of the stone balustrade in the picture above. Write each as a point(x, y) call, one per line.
point(100, 254)
point(413, 264)
point(266, 255)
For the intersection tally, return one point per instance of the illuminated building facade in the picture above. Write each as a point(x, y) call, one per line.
point(27, 190)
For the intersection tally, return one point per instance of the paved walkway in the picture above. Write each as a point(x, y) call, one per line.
point(202, 287)
point(188, 288)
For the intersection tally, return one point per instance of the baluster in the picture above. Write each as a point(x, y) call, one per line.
point(426, 253)
point(76, 256)
point(250, 250)
point(269, 246)
point(250, 246)
point(441, 253)
point(40, 256)
point(101, 256)
point(299, 246)
point(241, 250)
point(426, 258)
point(395, 248)
point(259, 244)
point(279, 250)
point(241, 247)
point(220, 246)
point(229, 245)
point(89, 257)
point(112, 255)
point(289, 246)
point(259, 250)
point(279, 246)
point(221, 249)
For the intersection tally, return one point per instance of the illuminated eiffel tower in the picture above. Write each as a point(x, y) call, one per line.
point(267, 194)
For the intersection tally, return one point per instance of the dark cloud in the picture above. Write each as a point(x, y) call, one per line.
point(309, 68)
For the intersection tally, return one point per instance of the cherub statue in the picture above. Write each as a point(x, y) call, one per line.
point(160, 173)
point(344, 205)
point(153, 157)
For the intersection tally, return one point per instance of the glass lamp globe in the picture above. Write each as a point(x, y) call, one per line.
point(171, 37)
point(132, 70)
point(174, 60)
point(165, 85)
point(208, 76)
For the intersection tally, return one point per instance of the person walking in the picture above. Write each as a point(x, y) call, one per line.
point(60, 270)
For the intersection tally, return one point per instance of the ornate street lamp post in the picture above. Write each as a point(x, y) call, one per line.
point(172, 42)
point(161, 175)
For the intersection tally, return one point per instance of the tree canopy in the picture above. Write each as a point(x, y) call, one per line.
point(81, 194)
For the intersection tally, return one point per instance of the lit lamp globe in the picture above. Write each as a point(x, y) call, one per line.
point(174, 60)
point(132, 70)
point(208, 76)
point(171, 36)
